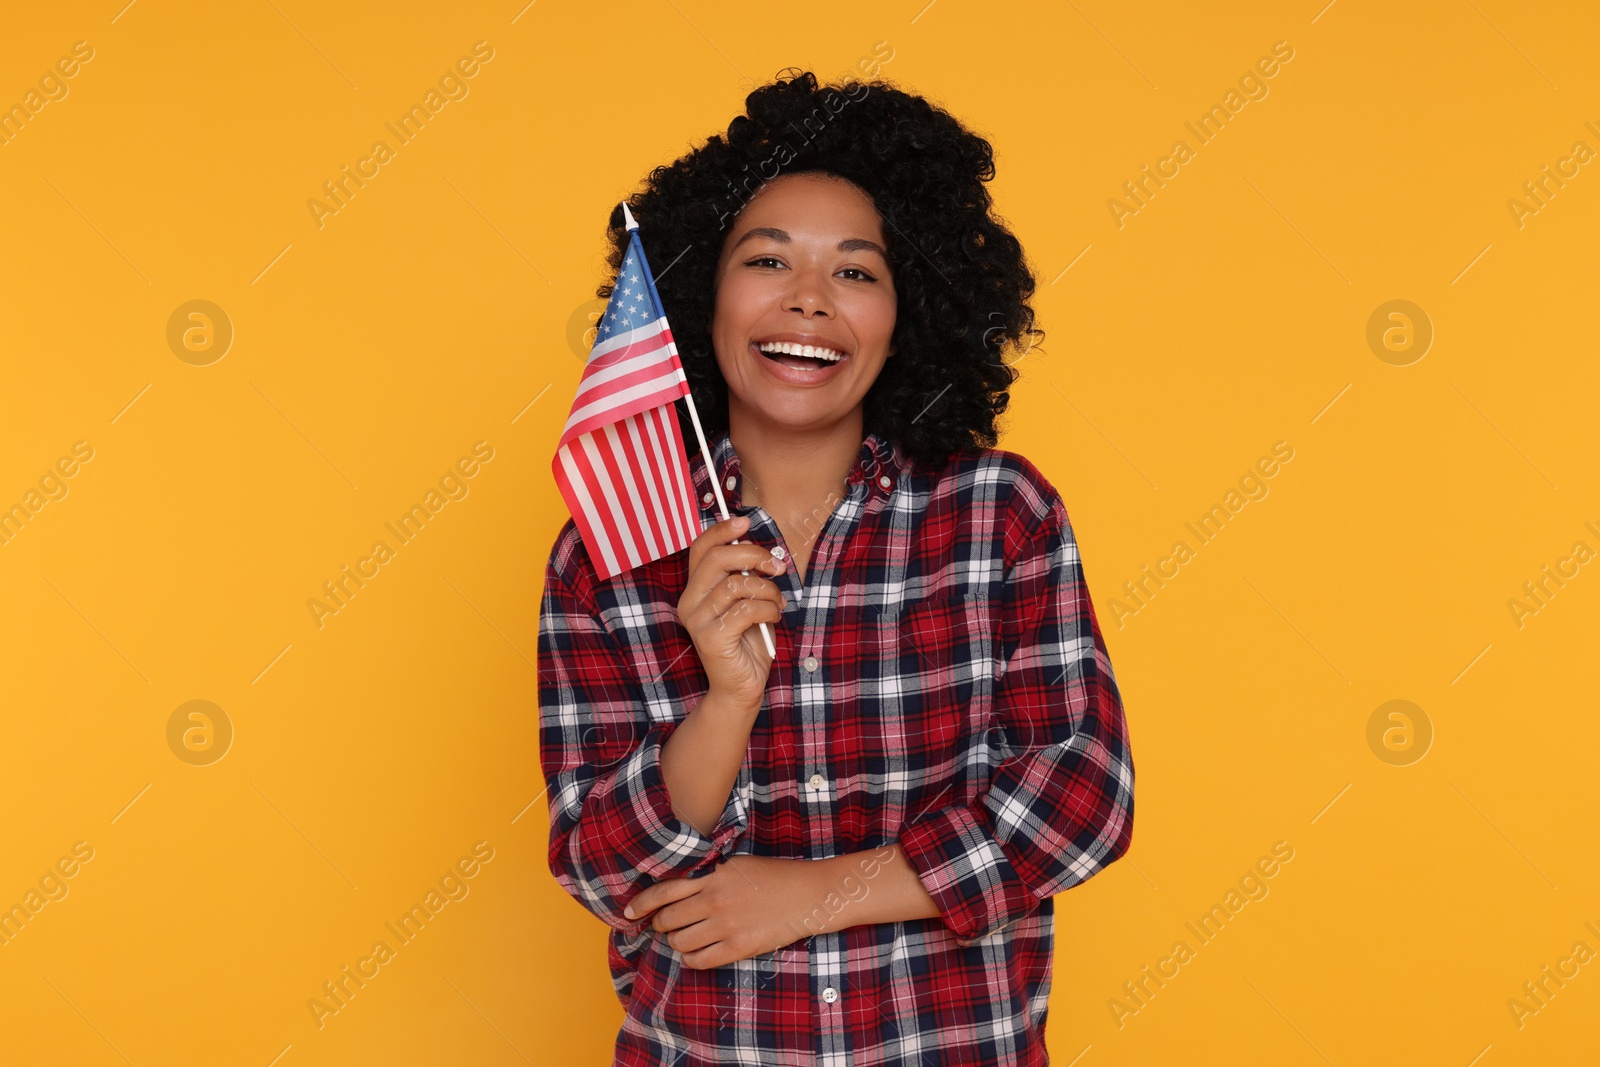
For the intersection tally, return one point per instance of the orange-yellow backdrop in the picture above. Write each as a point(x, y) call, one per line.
point(1442, 457)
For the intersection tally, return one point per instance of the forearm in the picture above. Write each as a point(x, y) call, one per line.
point(701, 760)
point(861, 888)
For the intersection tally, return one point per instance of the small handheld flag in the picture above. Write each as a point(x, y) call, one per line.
point(621, 464)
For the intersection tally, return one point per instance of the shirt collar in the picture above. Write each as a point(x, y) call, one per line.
point(878, 466)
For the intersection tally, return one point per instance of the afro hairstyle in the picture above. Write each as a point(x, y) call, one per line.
point(960, 276)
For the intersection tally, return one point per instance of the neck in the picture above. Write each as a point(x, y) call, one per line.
point(789, 471)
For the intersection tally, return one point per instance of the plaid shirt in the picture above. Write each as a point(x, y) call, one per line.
point(941, 681)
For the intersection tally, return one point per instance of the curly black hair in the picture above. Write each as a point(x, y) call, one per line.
point(960, 276)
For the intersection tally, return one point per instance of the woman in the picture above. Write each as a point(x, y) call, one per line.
point(847, 853)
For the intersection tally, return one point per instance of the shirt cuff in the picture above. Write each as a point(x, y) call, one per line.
point(659, 843)
point(967, 873)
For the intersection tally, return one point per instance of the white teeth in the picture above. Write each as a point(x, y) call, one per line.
point(790, 348)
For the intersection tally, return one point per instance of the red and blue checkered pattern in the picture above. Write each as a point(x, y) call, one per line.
point(940, 681)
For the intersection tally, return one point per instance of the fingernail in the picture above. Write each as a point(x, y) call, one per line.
point(628, 911)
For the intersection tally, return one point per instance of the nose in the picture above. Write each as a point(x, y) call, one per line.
point(809, 294)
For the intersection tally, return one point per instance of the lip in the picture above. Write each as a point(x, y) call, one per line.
point(797, 375)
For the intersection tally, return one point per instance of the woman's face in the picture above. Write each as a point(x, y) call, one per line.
point(804, 263)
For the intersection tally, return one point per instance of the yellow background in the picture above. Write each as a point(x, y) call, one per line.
point(434, 311)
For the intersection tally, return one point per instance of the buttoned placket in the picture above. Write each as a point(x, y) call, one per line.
point(806, 631)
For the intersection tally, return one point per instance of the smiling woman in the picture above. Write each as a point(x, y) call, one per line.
point(846, 852)
point(912, 180)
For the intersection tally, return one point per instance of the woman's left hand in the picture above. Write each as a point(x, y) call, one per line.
point(747, 906)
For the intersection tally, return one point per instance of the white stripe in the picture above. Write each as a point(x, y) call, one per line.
point(628, 337)
point(580, 489)
point(621, 398)
point(598, 377)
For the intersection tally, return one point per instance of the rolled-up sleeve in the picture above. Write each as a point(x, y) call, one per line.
point(613, 829)
point(1059, 807)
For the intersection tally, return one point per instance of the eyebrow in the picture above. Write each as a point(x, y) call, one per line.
point(849, 244)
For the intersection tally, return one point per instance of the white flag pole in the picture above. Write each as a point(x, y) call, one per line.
point(705, 454)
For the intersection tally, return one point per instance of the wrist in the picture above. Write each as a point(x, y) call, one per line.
point(876, 885)
point(724, 706)
point(837, 894)
point(815, 896)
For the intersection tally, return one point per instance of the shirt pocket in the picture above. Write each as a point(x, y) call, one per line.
point(934, 657)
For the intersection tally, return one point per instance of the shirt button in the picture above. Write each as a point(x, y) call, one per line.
point(830, 994)
point(706, 499)
point(817, 781)
point(730, 483)
point(778, 552)
point(811, 663)
point(884, 481)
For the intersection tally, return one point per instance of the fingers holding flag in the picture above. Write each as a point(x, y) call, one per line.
point(730, 592)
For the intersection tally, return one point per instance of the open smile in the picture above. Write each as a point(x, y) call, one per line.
point(798, 362)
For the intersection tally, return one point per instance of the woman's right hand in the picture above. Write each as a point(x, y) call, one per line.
point(723, 609)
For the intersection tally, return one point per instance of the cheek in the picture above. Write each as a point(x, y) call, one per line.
point(873, 317)
point(737, 306)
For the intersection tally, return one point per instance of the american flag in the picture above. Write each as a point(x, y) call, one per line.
point(621, 464)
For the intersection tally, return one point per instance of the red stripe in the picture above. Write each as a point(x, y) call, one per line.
point(671, 493)
point(588, 533)
point(666, 474)
point(628, 521)
point(659, 472)
point(610, 533)
point(691, 507)
point(621, 409)
point(640, 467)
point(597, 392)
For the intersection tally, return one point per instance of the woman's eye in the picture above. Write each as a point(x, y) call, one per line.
point(762, 261)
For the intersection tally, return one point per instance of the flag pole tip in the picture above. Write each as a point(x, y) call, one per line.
point(627, 218)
